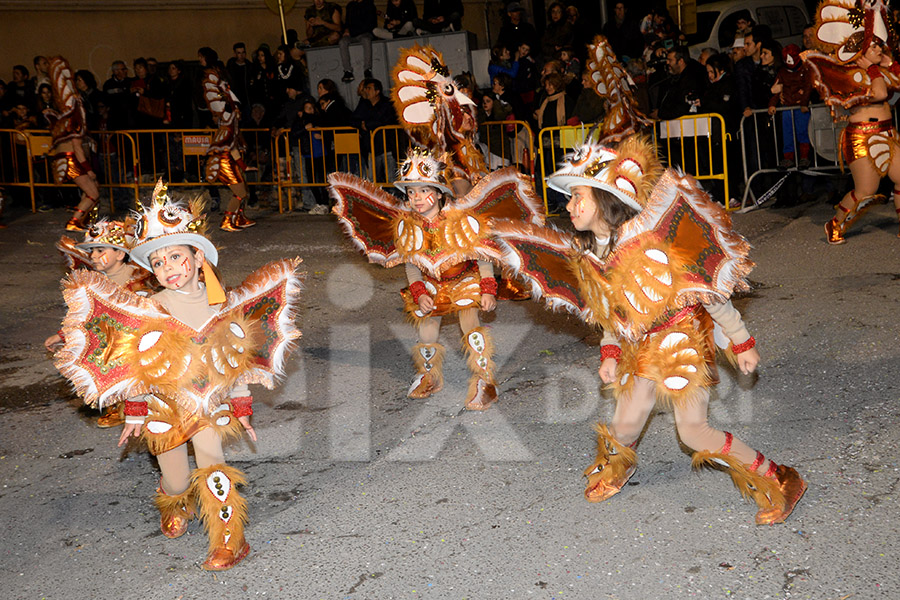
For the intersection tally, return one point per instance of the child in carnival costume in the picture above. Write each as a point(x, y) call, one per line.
point(447, 248)
point(224, 159)
point(105, 250)
point(68, 152)
point(181, 360)
point(653, 263)
point(856, 70)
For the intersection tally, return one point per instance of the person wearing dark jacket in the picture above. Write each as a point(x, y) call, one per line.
point(440, 15)
point(372, 112)
point(361, 18)
point(399, 16)
point(684, 87)
point(624, 34)
point(515, 30)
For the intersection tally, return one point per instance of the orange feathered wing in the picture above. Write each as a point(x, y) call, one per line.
point(119, 345)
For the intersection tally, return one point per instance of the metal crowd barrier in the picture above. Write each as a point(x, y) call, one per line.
point(24, 162)
point(762, 142)
point(698, 145)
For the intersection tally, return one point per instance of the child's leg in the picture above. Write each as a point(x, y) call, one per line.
point(788, 131)
point(173, 497)
point(479, 348)
point(428, 358)
point(616, 460)
point(775, 488)
point(222, 509)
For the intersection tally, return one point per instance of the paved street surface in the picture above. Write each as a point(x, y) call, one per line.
point(357, 492)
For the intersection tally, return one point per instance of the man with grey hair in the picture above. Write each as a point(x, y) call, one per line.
point(117, 89)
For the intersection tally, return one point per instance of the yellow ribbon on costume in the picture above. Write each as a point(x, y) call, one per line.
point(214, 292)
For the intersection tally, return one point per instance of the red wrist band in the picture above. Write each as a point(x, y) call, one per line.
point(135, 409)
point(610, 351)
point(242, 406)
point(743, 347)
point(895, 68)
point(61, 336)
point(489, 286)
point(417, 289)
point(874, 72)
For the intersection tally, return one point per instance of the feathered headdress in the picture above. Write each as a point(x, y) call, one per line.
point(109, 234)
point(68, 121)
point(611, 82)
point(421, 168)
point(846, 28)
point(628, 171)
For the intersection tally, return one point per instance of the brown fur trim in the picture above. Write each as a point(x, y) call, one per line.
point(751, 484)
point(613, 459)
point(179, 504)
point(223, 528)
point(228, 351)
point(434, 366)
point(478, 344)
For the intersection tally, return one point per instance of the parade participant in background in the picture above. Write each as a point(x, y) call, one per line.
point(445, 244)
point(105, 249)
point(653, 263)
point(69, 150)
point(181, 360)
point(224, 160)
point(859, 74)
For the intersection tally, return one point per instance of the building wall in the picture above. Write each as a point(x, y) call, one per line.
point(93, 33)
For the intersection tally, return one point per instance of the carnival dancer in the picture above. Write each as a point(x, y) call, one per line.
point(105, 250)
point(69, 153)
point(857, 72)
point(182, 360)
point(446, 245)
point(653, 262)
point(224, 157)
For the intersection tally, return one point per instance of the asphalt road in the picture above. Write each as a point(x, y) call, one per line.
point(358, 492)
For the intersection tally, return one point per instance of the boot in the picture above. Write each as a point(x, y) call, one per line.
point(229, 222)
point(787, 162)
point(776, 492)
point(611, 470)
point(834, 229)
point(479, 349)
point(861, 208)
point(429, 362)
point(224, 513)
point(82, 219)
point(242, 220)
point(804, 162)
point(174, 511)
point(111, 417)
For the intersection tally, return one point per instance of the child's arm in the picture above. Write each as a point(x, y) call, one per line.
point(135, 414)
point(742, 343)
point(242, 407)
point(610, 351)
point(488, 286)
point(417, 289)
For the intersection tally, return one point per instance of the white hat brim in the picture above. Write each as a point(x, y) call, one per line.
point(403, 185)
point(564, 184)
point(141, 252)
point(90, 245)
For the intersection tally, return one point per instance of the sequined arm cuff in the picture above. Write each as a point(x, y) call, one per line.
point(242, 406)
point(610, 351)
point(744, 346)
point(489, 286)
point(874, 72)
point(417, 289)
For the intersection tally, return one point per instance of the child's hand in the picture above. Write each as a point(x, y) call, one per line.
point(776, 89)
point(53, 343)
point(245, 421)
point(488, 302)
point(804, 109)
point(771, 110)
point(607, 370)
point(748, 360)
point(129, 430)
point(426, 304)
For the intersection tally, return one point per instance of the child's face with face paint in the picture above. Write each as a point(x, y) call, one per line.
point(584, 212)
point(177, 267)
point(424, 200)
point(106, 259)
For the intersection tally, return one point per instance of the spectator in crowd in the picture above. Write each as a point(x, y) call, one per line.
point(372, 112)
point(500, 62)
point(117, 90)
point(4, 111)
point(582, 32)
point(361, 20)
point(719, 96)
point(766, 72)
point(503, 89)
point(86, 84)
point(20, 90)
point(263, 87)
point(737, 51)
point(705, 54)
point(148, 107)
point(154, 73)
point(624, 34)
point(312, 154)
point(290, 111)
point(41, 72)
point(743, 73)
point(44, 102)
point(571, 65)
point(558, 32)
point(590, 106)
point(179, 110)
point(526, 80)
point(684, 87)
point(399, 16)
point(497, 142)
point(792, 87)
point(651, 25)
point(743, 23)
point(515, 30)
point(323, 24)
point(22, 117)
point(557, 106)
point(287, 73)
point(240, 72)
point(440, 15)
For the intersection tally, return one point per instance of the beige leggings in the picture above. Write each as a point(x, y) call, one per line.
point(633, 410)
point(176, 471)
point(430, 328)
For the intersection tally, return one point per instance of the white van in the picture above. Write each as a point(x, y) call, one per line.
point(716, 22)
